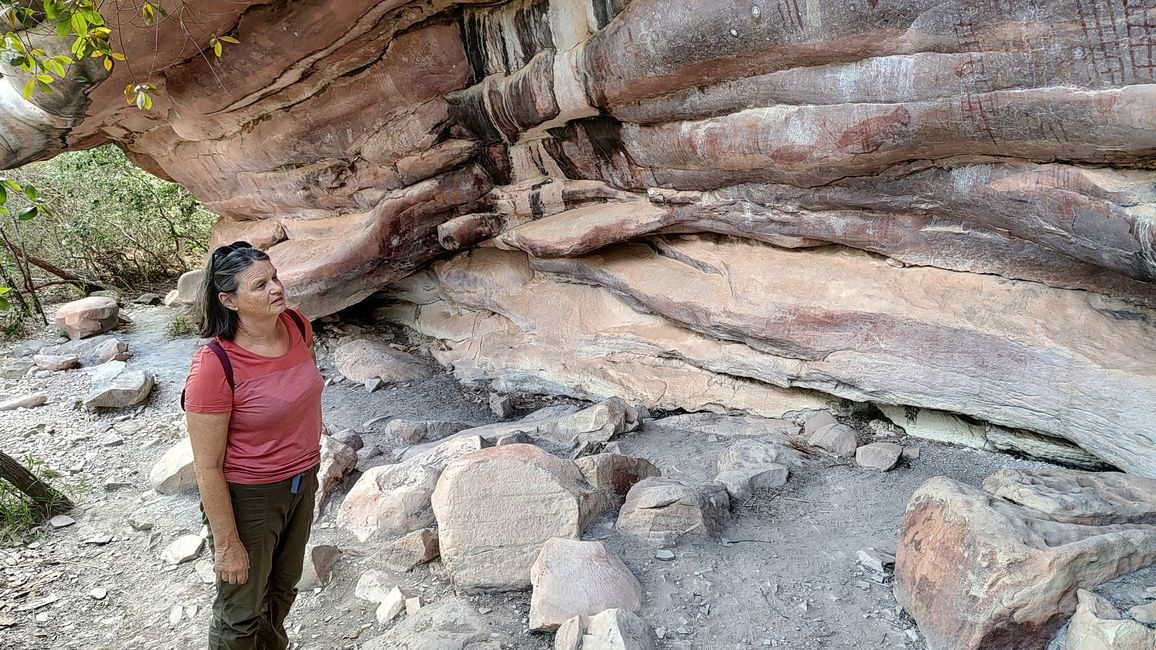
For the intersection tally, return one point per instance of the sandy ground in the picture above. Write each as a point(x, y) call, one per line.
point(784, 575)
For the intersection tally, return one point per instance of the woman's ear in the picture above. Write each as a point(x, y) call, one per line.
point(226, 299)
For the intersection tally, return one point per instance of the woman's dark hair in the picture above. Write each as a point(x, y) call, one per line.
point(223, 273)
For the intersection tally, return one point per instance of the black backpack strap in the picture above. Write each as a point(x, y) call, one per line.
point(297, 321)
point(219, 352)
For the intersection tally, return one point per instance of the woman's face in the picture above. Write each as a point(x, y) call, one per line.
point(259, 292)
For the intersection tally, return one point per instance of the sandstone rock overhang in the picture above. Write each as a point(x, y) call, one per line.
point(1010, 146)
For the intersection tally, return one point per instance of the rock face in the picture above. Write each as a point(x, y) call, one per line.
point(1000, 567)
point(87, 317)
point(951, 184)
point(496, 507)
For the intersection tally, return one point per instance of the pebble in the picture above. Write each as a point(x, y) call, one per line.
point(100, 593)
point(175, 615)
point(110, 440)
point(60, 521)
point(664, 554)
point(98, 540)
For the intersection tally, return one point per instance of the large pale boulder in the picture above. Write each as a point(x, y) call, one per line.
point(363, 360)
point(389, 501)
point(496, 507)
point(574, 578)
point(667, 511)
point(977, 570)
point(87, 317)
point(115, 386)
point(174, 472)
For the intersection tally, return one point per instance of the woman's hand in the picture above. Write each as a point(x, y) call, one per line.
point(232, 563)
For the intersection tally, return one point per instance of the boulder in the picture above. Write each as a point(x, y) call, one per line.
point(24, 402)
point(879, 455)
point(818, 421)
point(189, 287)
point(350, 438)
point(977, 570)
point(183, 549)
point(55, 362)
point(338, 460)
point(318, 565)
point(415, 431)
point(566, 429)
point(414, 548)
point(666, 511)
point(174, 472)
point(839, 439)
point(1098, 625)
point(87, 317)
point(496, 507)
point(574, 578)
point(752, 464)
point(147, 299)
point(614, 474)
point(389, 608)
point(115, 386)
point(613, 629)
point(449, 624)
point(92, 352)
point(362, 360)
point(389, 501)
point(438, 455)
point(374, 586)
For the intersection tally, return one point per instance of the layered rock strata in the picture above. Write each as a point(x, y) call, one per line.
point(946, 205)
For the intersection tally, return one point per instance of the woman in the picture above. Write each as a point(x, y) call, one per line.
point(253, 397)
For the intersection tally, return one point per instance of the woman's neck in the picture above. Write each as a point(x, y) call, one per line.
point(258, 329)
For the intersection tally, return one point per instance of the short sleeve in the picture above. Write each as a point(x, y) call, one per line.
point(206, 389)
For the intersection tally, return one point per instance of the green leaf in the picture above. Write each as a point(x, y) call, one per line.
point(229, 39)
point(79, 25)
point(63, 26)
point(3, 194)
point(30, 192)
point(29, 86)
point(28, 214)
point(4, 304)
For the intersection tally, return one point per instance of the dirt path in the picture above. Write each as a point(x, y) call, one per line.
point(786, 575)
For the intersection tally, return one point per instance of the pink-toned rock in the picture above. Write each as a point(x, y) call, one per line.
point(87, 317)
point(879, 455)
point(1098, 625)
point(56, 362)
point(976, 570)
point(363, 360)
point(666, 511)
point(389, 501)
point(487, 546)
point(575, 578)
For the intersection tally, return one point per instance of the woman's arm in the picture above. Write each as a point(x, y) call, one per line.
point(208, 433)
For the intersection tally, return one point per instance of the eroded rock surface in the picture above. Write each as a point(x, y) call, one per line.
point(1000, 567)
point(946, 205)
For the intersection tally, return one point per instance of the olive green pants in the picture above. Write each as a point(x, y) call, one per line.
point(273, 523)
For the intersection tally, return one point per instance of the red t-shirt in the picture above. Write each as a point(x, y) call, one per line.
point(275, 428)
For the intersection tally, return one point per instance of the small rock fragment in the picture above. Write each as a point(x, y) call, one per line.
point(838, 439)
point(501, 405)
point(99, 593)
point(664, 554)
point(389, 608)
point(183, 549)
point(878, 455)
point(60, 521)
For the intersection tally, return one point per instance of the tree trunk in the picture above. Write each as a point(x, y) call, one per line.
point(44, 497)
